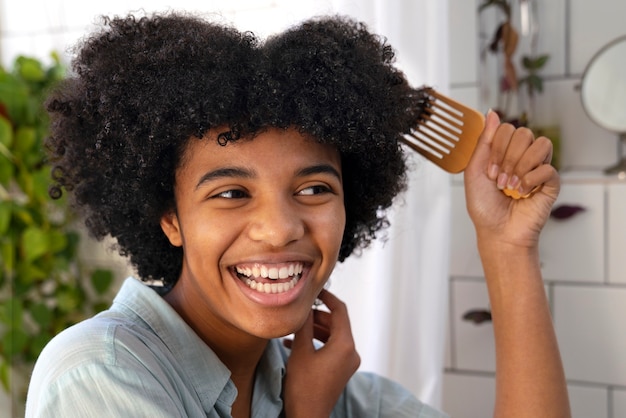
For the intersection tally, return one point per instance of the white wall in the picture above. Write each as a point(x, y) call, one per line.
point(36, 27)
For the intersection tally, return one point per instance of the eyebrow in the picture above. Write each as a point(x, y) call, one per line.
point(319, 169)
point(245, 173)
point(224, 172)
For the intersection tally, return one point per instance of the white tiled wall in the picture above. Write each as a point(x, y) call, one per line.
point(583, 258)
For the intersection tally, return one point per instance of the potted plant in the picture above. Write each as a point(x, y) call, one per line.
point(504, 42)
point(44, 286)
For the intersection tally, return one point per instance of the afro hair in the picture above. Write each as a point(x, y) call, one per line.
point(141, 88)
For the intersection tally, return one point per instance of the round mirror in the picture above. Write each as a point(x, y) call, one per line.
point(603, 92)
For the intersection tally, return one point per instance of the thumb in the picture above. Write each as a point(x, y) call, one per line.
point(483, 146)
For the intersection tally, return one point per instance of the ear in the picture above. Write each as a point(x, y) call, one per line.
point(171, 228)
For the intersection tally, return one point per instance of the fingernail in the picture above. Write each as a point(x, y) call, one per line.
point(502, 181)
point(493, 171)
point(513, 182)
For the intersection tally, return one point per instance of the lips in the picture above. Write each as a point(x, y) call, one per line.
point(270, 278)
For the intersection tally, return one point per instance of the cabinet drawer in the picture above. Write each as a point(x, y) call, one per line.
point(472, 345)
point(589, 323)
point(573, 249)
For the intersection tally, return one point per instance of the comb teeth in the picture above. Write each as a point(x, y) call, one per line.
point(446, 132)
point(438, 131)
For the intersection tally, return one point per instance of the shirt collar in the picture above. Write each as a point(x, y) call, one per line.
point(196, 359)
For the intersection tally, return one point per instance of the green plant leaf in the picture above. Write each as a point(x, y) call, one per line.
point(4, 375)
point(35, 243)
point(30, 69)
point(37, 344)
point(14, 341)
point(101, 280)
point(41, 182)
point(5, 216)
point(7, 255)
point(536, 82)
point(14, 94)
point(23, 216)
point(41, 314)
point(7, 169)
point(57, 241)
point(25, 139)
point(26, 273)
point(68, 299)
point(533, 64)
point(6, 133)
point(12, 313)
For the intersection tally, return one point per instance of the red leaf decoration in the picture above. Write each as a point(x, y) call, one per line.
point(477, 316)
point(566, 211)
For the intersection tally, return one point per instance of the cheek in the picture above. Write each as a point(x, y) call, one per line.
point(334, 228)
point(206, 239)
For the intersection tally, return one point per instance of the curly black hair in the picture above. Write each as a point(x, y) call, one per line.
point(142, 87)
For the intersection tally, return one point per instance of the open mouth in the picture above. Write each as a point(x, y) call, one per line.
point(270, 279)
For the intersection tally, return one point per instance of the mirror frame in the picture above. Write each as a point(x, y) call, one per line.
point(610, 125)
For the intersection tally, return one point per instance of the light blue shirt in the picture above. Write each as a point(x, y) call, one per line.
point(140, 359)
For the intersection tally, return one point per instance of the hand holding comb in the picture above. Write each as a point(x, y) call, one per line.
point(447, 134)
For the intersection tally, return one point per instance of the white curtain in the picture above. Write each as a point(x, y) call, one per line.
point(397, 291)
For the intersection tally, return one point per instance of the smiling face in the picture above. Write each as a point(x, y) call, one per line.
point(261, 223)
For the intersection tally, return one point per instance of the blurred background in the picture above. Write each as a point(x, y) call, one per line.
point(408, 294)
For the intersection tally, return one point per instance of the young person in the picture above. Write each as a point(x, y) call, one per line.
point(237, 173)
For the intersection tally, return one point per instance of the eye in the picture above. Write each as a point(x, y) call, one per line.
point(314, 190)
point(231, 194)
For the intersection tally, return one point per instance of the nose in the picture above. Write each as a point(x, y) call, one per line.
point(276, 222)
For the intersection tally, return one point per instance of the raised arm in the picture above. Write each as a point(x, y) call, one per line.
point(530, 381)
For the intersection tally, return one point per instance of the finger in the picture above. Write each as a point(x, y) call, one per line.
point(538, 153)
point(483, 147)
point(332, 302)
point(303, 338)
point(322, 322)
point(545, 175)
point(321, 333)
point(518, 144)
point(520, 141)
point(339, 323)
point(322, 318)
point(499, 149)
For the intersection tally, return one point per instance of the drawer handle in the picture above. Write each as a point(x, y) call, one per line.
point(477, 316)
point(563, 212)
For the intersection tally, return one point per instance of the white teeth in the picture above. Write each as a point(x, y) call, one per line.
point(272, 273)
point(271, 287)
point(293, 271)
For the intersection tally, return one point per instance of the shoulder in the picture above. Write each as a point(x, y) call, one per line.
point(371, 395)
point(102, 339)
point(105, 357)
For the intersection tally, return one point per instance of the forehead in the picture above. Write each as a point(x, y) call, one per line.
point(269, 148)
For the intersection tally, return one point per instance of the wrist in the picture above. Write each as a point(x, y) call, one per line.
point(501, 245)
